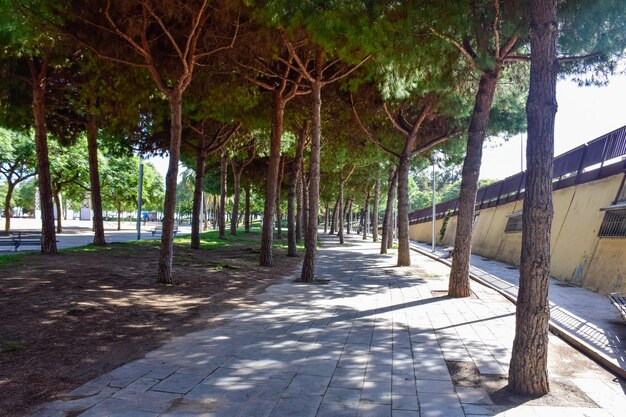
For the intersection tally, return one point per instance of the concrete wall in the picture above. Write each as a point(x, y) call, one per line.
point(579, 256)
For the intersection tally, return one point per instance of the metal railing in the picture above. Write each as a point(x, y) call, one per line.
point(600, 158)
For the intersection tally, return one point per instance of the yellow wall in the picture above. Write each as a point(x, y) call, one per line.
point(578, 255)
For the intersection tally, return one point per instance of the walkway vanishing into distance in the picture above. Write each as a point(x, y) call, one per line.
point(376, 340)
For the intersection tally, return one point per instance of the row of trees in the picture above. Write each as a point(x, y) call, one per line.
point(241, 84)
point(69, 175)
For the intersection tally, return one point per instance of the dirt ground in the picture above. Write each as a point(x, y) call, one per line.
point(68, 318)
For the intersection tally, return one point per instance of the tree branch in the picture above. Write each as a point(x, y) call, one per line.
point(434, 142)
point(369, 134)
point(394, 122)
point(464, 52)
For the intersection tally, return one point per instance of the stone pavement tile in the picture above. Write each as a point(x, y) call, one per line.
point(407, 413)
point(483, 410)
point(152, 401)
point(125, 413)
point(301, 406)
point(128, 373)
point(376, 391)
point(92, 387)
point(257, 408)
point(369, 409)
point(346, 397)
point(235, 393)
point(403, 387)
point(469, 395)
point(106, 408)
point(82, 403)
point(436, 386)
point(348, 378)
point(319, 367)
point(433, 373)
point(404, 402)
point(178, 383)
point(307, 385)
point(161, 372)
point(272, 389)
point(434, 404)
point(376, 372)
point(138, 386)
point(336, 410)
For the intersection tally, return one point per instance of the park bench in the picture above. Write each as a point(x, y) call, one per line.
point(21, 239)
point(159, 229)
point(619, 301)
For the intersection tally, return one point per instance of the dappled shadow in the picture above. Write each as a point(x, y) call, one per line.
point(70, 317)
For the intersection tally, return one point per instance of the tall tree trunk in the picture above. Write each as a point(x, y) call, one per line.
point(57, 203)
point(223, 185)
point(305, 200)
point(7, 206)
point(340, 210)
point(366, 210)
point(333, 223)
point(384, 242)
point(528, 372)
point(404, 255)
point(299, 208)
point(38, 77)
point(291, 199)
point(459, 274)
point(119, 215)
point(234, 218)
point(279, 189)
point(169, 210)
point(391, 230)
point(267, 234)
point(246, 221)
point(326, 218)
point(349, 215)
point(197, 196)
point(308, 264)
point(94, 180)
point(291, 213)
point(375, 210)
point(215, 212)
point(205, 205)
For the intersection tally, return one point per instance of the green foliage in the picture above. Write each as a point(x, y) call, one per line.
point(120, 182)
point(24, 197)
point(17, 156)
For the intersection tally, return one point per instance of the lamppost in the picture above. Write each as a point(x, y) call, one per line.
point(139, 198)
point(434, 206)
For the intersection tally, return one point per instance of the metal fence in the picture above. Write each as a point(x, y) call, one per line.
point(600, 158)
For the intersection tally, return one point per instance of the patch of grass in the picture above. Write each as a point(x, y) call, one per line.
point(8, 260)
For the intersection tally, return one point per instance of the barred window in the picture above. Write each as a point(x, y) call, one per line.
point(614, 224)
point(514, 224)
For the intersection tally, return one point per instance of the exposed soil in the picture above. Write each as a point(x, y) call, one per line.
point(68, 318)
point(562, 392)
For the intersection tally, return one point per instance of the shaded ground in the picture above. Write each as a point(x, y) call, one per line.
point(68, 318)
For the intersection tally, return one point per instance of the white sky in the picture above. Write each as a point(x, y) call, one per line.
point(584, 113)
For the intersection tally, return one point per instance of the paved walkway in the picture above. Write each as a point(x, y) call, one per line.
point(582, 317)
point(377, 340)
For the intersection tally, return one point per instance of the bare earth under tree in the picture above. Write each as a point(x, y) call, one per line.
point(72, 317)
